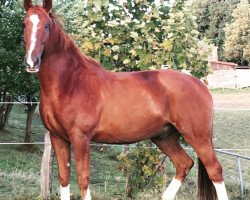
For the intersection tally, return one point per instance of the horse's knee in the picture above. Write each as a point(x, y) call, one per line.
point(64, 180)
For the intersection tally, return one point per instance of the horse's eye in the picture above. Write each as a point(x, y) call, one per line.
point(47, 26)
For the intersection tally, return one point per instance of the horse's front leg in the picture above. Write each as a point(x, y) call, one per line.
point(81, 143)
point(62, 151)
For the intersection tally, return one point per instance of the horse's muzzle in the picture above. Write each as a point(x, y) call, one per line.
point(32, 67)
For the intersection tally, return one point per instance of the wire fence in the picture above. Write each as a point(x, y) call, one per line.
point(22, 171)
point(215, 108)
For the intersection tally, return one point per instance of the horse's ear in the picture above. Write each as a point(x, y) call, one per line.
point(47, 4)
point(27, 4)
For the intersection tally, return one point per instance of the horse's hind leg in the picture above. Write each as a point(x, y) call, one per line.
point(62, 151)
point(209, 168)
point(182, 162)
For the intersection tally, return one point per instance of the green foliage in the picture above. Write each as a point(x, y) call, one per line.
point(183, 49)
point(137, 35)
point(143, 167)
point(212, 17)
point(5, 3)
point(237, 33)
point(13, 78)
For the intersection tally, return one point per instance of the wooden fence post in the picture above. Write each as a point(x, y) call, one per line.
point(46, 168)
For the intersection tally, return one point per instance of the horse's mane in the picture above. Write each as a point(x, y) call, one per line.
point(66, 42)
point(57, 19)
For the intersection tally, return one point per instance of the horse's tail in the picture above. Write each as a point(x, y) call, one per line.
point(206, 189)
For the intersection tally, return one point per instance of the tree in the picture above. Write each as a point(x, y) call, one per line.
point(137, 35)
point(6, 3)
point(212, 16)
point(4, 109)
point(237, 35)
point(9, 38)
point(183, 48)
point(14, 80)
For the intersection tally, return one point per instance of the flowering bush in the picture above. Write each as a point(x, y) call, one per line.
point(143, 166)
point(139, 35)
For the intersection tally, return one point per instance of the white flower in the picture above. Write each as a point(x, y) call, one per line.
point(115, 57)
point(170, 35)
point(133, 52)
point(128, 20)
point(126, 61)
point(134, 35)
point(115, 48)
point(113, 23)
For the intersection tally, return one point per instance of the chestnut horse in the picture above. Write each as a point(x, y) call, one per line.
point(81, 102)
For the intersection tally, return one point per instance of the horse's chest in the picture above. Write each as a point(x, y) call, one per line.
point(64, 117)
point(50, 119)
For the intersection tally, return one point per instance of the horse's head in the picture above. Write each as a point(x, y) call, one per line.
point(37, 25)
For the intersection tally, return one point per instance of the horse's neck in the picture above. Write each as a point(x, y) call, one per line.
point(63, 62)
point(61, 45)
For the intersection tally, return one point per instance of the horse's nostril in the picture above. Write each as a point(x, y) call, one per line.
point(37, 61)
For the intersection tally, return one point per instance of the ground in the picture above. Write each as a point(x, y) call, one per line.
point(232, 99)
point(231, 126)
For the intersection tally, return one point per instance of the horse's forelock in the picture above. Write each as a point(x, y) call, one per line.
point(54, 17)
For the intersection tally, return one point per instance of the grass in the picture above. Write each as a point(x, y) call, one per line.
point(19, 173)
point(15, 129)
point(20, 167)
point(229, 90)
point(232, 128)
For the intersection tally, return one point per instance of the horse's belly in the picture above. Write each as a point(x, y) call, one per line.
point(125, 137)
point(130, 130)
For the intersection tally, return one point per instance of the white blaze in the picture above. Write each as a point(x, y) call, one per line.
point(172, 189)
point(65, 193)
point(35, 20)
point(221, 191)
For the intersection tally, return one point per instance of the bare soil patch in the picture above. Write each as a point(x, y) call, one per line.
point(232, 99)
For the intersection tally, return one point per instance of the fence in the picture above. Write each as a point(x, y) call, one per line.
point(22, 171)
point(101, 182)
point(238, 157)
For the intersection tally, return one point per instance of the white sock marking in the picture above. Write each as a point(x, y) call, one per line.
point(35, 21)
point(221, 191)
point(88, 197)
point(172, 189)
point(65, 192)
